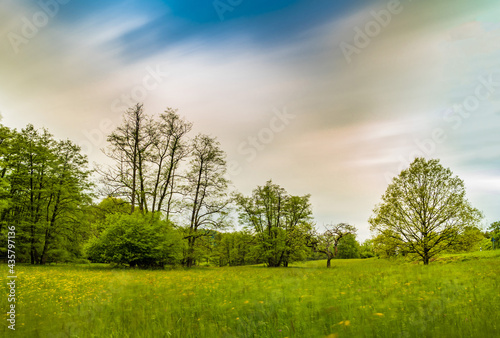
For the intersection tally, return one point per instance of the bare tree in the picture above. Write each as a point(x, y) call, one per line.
point(168, 150)
point(147, 155)
point(327, 242)
point(129, 146)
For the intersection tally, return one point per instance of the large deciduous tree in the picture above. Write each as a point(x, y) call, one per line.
point(47, 189)
point(129, 147)
point(147, 154)
point(425, 209)
point(205, 191)
point(279, 221)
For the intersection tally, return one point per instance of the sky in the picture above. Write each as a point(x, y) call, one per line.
point(328, 98)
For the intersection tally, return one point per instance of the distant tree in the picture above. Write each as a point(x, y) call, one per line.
point(366, 249)
point(467, 240)
point(234, 248)
point(205, 191)
point(388, 244)
point(424, 209)
point(328, 241)
point(348, 247)
point(280, 223)
point(495, 233)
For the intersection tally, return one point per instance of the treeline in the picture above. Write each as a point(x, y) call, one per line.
point(45, 193)
point(164, 200)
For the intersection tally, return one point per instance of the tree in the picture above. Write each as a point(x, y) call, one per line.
point(424, 209)
point(205, 191)
point(5, 137)
point(328, 241)
point(467, 240)
point(388, 244)
point(234, 248)
point(147, 155)
point(366, 249)
point(169, 149)
point(494, 234)
point(129, 146)
point(348, 247)
point(48, 187)
point(495, 231)
point(279, 221)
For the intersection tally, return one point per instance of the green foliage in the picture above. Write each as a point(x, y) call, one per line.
point(424, 210)
point(388, 244)
point(280, 223)
point(348, 247)
point(137, 240)
point(495, 233)
point(234, 248)
point(366, 249)
point(5, 136)
point(486, 244)
point(468, 239)
point(44, 188)
point(96, 214)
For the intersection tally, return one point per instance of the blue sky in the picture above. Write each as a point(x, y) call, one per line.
point(420, 79)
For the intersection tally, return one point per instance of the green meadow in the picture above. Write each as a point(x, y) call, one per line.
point(455, 296)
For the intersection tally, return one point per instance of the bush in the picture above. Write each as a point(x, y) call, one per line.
point(136, 240)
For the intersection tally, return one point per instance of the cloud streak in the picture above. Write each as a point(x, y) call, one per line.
point(354, 122)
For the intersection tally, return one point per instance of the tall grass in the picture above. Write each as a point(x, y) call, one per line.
point(355, 298)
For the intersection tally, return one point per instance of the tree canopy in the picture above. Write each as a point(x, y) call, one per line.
point(280, 222)
point(424, 209)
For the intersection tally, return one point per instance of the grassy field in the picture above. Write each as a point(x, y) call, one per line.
point(456, 296)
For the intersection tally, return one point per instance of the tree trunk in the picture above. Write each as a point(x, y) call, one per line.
point(190, 255)
point(43, 258)
point(33, 255)
point(328, 262)
point(426, 256)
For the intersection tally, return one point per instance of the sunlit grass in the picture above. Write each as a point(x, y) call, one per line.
point(355, 298)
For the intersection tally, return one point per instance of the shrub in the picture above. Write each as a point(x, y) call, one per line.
point(136, 240)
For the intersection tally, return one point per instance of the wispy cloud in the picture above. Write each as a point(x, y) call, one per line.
point(354, 122)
